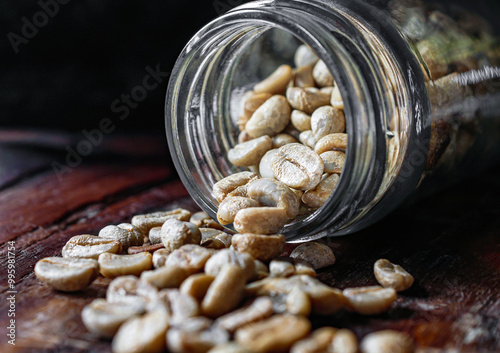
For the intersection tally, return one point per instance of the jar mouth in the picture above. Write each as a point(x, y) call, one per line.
point(208, 77)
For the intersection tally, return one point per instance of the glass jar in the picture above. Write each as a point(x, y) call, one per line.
point(419, 84)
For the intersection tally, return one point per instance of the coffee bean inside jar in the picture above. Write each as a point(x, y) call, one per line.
point(289, 173)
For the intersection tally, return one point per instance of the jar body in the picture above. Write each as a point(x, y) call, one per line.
point(415, 120)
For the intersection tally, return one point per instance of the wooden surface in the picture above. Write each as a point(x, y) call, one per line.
point(450, 243)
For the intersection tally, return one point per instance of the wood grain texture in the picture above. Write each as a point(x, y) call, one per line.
point(450, 243)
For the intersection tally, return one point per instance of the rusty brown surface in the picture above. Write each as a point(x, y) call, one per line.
point(450, 243)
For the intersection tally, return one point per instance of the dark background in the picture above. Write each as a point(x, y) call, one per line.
point(89, 54)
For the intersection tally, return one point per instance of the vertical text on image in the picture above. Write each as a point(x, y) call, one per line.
point(11, 292)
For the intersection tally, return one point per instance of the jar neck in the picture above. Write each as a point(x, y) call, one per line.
point(200, 123)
